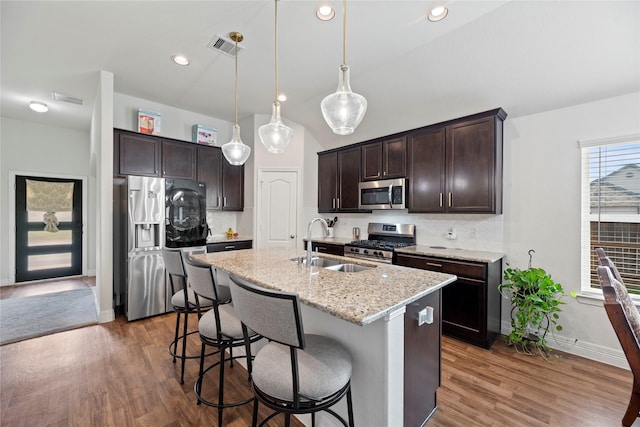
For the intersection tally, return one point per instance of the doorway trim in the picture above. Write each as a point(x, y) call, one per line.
point(12, 216)
point(258, 200)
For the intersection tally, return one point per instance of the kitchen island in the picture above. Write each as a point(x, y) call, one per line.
point(364, 310)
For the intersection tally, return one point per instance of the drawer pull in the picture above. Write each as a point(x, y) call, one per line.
point(320, 248)
point(432, 264)
point(230, 247)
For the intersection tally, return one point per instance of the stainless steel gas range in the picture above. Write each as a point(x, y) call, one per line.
point(381, 242)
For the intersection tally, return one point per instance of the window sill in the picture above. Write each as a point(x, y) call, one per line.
point(597, 299)
point(590, 298)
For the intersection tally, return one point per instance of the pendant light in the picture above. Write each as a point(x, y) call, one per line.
point(344, 110)
point(235, 151)
point(275, 135)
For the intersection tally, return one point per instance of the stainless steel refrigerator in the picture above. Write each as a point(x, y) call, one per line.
point(138, 263)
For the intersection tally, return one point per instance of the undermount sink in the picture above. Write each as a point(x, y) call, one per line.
point(347, 268)
point(331, 264)
point(317, 262)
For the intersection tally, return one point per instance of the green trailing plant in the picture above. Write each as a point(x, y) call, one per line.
point(536, 300)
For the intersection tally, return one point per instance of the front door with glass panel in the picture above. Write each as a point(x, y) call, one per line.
point(48, 228)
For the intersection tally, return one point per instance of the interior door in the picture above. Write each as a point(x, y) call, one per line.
point(278, 208)
point(48, 228)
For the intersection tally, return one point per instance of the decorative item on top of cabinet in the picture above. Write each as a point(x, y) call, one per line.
point(471, 306)
point(338, 178)
point(384, 159)
point(225, 183)
point(456, 166)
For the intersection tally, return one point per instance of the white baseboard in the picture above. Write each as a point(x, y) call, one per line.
point(106, 316)
point(592, 351)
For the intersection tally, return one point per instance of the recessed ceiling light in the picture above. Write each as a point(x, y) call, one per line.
point(282, 97)
point(39, 107)
point(437, 14)
point(180, 60)
point(325, 13)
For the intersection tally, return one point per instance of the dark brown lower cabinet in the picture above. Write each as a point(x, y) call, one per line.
point(422, 360)
point(326, 248)
point(471, 306)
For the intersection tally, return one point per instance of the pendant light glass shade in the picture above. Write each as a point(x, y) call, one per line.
point(343, 110)
point(275, 135)
point(235, 151)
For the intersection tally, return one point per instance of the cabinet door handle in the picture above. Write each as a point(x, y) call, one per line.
point(224, 201)
point(378, 175)
point(338, 203)
point(441, 199)
point(433, 264)
point(450, 197)
point(217, 200)
point(334, 203)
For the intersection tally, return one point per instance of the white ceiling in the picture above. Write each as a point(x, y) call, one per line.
point(524, 56)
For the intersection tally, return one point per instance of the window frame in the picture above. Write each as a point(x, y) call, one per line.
point(586, 217)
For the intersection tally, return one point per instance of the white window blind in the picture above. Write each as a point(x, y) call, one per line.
point(611, 208)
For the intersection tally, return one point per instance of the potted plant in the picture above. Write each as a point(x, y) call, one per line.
point(536, 301)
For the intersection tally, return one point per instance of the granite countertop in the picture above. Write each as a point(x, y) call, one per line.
point(360, 298)
point(439, 251)
point(452, 253)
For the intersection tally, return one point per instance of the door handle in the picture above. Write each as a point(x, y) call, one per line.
point(292, 236)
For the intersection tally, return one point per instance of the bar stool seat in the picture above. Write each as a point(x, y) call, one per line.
point(323, 367)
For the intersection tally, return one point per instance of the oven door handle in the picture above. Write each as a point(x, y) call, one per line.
point(391, 196)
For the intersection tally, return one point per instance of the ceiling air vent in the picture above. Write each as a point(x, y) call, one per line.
point(66, 98)
point(225, 45)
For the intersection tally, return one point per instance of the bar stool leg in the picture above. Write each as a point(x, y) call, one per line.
point(184, 345)
point(175, 339)
point(199, 380)
point(221, 386)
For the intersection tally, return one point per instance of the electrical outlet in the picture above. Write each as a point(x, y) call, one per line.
point(473, 233)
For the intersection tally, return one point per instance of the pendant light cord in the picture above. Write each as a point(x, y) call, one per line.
point(344, 34)
point(276, 51)
point(236, 90)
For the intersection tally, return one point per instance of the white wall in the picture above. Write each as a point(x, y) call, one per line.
point(31, 147)
point(542, 206)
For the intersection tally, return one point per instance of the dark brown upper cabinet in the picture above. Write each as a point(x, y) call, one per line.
point(149, 155)
point(224, 182)
point(136, 154)
point(338, 179)
point(456, 167)
point(178, 160)
point(384, 159)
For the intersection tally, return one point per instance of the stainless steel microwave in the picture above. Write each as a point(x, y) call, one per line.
point(383, 194)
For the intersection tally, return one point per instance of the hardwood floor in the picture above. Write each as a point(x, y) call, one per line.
point(120, 374)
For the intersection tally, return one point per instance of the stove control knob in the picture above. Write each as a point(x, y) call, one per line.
point(365, 251)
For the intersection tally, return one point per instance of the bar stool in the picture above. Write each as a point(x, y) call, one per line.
point(219, 328)
point(295, 373)
point(183, 301)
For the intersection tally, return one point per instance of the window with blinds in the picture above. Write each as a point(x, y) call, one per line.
point(611, 208)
